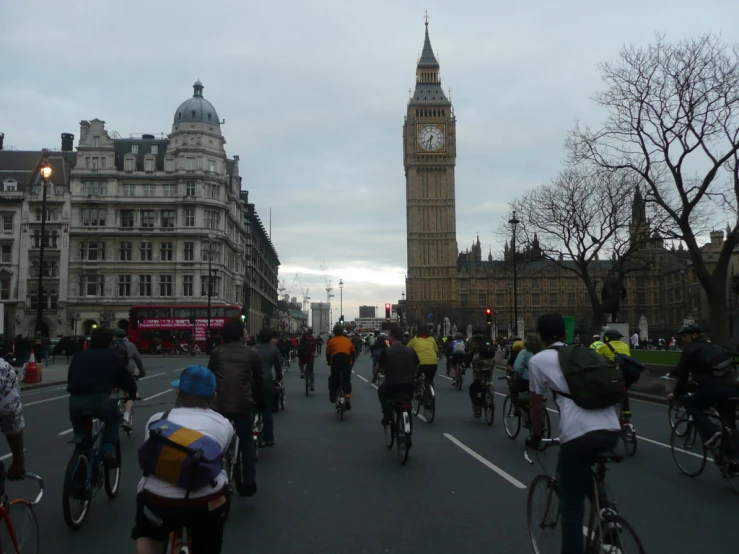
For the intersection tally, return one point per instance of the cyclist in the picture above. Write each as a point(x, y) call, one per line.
point(596, 344)
point(713, 371)
point(340, 356)
point(520, 384)
point(162, 507)
point(132, 360)
point(240, 385)
point(516, 348)
point(406, 338)
point(306, 356)
point(357, 343)
point(319, 344)
point(91, 376)
point(583, 433)
point(284, 347)
point(398, 362)
point(483, 363)
point(11, 419)
point(428, 353)
point(457, 350)
point(612, 345)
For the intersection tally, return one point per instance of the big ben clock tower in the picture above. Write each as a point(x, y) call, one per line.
point(429, 157)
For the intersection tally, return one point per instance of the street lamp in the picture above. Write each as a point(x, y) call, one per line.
point(682, 278)
point(45, 171)
point(211, 273)
point(341, 299)
point(513, 222)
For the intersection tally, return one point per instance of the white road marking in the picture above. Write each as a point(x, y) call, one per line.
point(362, 378)
point(422, 418)
point(444, 376)
point(639, 438)
point(158, 394)
point(8, 455)
point(512, 480)
point(153, 375)
point(26, 405)
point(373, 385)
point(66, 432)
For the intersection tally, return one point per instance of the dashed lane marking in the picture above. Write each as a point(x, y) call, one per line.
point(158, 394)
point(8, 455)
point(26, 405)
point(512, 480)
point(66, 432)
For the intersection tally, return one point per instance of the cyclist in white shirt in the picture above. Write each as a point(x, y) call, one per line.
point(583, 433)
point(162, 507)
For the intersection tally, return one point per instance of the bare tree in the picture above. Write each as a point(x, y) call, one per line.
point(674, 122)
point(578, 219)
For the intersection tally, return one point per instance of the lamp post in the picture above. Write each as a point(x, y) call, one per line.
point(211, 272)
point(341, 299)
point(513, 222)
point(682, 278)
point(45, 174)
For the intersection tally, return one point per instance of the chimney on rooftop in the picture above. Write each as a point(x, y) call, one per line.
point(2, 138)
point(67, 142)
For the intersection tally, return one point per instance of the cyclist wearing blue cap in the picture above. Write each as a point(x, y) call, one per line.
point(163, 507)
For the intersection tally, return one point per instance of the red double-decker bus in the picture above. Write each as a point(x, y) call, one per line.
point(153, 328)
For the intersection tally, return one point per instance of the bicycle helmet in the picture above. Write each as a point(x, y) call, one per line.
point(119, 333)
point(612, 334)
point(689, 329)
point(596, 337)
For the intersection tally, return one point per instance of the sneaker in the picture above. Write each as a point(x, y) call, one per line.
point(713, 439)
point(386, 421)
point(126, 423)
point(302, 376)
point(312, 388)
point(332, 399)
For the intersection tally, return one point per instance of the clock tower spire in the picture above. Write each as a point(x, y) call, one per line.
point(429, 157)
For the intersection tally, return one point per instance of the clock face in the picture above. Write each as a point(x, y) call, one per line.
point(430, 138)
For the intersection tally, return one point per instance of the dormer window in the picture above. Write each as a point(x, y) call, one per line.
point(179, 115)
point(134, 149)
point(193, 114)
point(210, 117)
point(155, 149)
point(95, 142)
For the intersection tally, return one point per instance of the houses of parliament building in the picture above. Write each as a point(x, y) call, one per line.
point(442, 282)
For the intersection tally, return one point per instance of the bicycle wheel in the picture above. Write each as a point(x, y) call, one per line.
point(282, 398)
point(403, 440)
point(619, 538)
point(76, 493)
point(460, 379)
point(429, 407)
point(547, 430)
point(25, 527)
point(687, 448)
point(489, 406)
point(628, 435)
point(112, 475)
point(511, 422)
point(237, 468)
point(675, 412)
point(542, 513)
point(417, 396)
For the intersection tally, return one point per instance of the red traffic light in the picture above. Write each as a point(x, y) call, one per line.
point(488, 311)
point(387, 306)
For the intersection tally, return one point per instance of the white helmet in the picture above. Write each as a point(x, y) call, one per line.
point(596, 337)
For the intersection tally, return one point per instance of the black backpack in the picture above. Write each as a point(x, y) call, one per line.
point(119, 347)
point(486, 349)
point(630, 367)
point(595, 382)
point(304, 349)
point(716, 361)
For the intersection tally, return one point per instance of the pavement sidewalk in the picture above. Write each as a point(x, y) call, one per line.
point(52, 374)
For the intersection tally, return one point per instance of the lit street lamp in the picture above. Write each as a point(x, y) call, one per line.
point(341, 300)
point(45, 171)
point(513, 222)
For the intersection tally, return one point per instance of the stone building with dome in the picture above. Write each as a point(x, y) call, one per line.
point(147, 212)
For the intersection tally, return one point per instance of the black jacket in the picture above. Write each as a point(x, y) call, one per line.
point(693, 360)
point(98, 371)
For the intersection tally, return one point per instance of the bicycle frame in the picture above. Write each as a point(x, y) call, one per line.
point(180, 542)
point(90, 446)
point(5, 513)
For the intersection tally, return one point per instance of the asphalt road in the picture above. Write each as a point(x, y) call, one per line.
point(332, 487)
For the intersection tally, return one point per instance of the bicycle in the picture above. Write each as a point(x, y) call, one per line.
point(400, 428)
point(340, 403)
point(458, 376)
point(179, 542)
point(233, 465)
point(121, 403)
point(512, 419)
point(20, 534)
point(309, 376)
point(257, 434)
point(86, 474)
point(423, 391)
point(684, 440)
point(607, 531)
point(628, 433)
point(489, 405)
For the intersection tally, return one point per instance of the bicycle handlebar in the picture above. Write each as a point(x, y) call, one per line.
point(40, 481)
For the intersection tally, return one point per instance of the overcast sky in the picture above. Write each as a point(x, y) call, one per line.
point(314, 94)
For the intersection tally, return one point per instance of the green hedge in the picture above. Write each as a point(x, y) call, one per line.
point(657, 357)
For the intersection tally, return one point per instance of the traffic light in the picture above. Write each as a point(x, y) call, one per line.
point(489, 315)
point(243, 318)
point(399, 315)
point(341, 320)
point(387, 312)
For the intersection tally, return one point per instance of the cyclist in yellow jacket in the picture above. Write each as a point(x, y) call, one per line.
point(428, 354)
point(612, 346)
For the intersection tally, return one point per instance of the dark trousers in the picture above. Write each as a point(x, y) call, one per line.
point(267, 413)
point(243, 424)
point(341, 376)
point(306, 367)
point(518, 386)
point(576, 458)
point(100, 406)
point(386, 392)
point(429, 372)
point(713, 395)
point(157, 521)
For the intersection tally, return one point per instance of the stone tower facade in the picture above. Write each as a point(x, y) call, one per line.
point(429, 157)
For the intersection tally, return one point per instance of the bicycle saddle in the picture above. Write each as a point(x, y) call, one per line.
point(605, 457)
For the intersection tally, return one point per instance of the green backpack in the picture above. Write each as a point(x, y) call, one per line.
point(595, 382)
